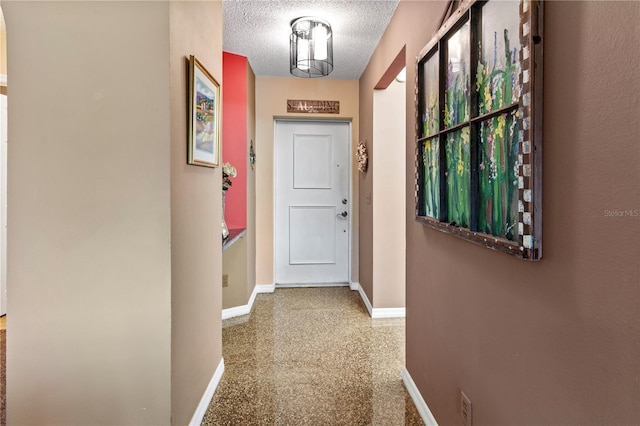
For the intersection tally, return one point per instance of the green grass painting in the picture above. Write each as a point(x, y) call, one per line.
point(456, 108)
point(498, 173)
point(457, 143)
point(430, 158)
point(458, 177)
point(430, 119)
point(430, 114)
point(498, 86)
point(497, 74)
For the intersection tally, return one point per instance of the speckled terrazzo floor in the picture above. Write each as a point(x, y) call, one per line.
point(312, 356)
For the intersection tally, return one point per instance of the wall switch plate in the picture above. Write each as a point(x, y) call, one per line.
point(225, 280)
point(465, 409)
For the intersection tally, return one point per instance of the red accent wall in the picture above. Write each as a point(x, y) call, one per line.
point(234, 135)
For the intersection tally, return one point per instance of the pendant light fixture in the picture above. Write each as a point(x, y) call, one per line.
point(310, 47)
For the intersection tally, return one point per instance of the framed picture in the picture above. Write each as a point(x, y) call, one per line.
point(479, 126)
point(204, 116)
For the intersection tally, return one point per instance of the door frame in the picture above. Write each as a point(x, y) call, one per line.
point(349, 122)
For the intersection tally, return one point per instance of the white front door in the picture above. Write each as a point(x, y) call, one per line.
point(312, 202)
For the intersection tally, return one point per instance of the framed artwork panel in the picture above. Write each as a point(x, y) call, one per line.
point(204, 116)
point(430, 108)
point(431, 187)
point(458, 177)
point(456, 108)
point(498, 172)
point(479, 155)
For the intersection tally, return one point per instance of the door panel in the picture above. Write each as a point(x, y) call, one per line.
point(311, 162)
point(311, 222)
point(312, 235)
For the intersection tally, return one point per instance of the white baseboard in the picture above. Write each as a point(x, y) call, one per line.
point(236, 311)
point(378, 312)
point(354, 285)
point(201, 409)
point(389, 313)
point(265, 288)
point(307, 285)
point(423, 408)
point(365, 299)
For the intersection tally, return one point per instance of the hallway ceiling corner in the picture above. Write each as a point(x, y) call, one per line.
point(260, 29)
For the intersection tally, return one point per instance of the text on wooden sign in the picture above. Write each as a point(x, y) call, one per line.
point(313, 107)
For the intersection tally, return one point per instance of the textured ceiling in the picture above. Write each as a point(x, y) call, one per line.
point(260, 29)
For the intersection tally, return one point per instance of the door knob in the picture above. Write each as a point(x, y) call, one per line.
point(344, 201)
point(343, 214)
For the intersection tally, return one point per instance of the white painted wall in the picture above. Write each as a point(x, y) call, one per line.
point(389, 199)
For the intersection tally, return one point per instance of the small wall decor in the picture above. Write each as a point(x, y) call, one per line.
point(228, 172)
point(204, 116)
point(362, 157)
point(311, 106)
point(252, 155)
point(479, 126)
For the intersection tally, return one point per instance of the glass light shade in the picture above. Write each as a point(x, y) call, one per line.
point(303, 54)
point(319, 37)
point(310, 48)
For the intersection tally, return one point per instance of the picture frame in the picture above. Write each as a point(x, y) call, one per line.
point(204, 116)
point(478, 149)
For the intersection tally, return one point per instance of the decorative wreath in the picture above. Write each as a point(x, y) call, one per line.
point(362, 157)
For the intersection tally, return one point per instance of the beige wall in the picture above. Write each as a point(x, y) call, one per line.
point(196, 214)
point(235, 267)
point(554, 341)
point(113, 214)
point(3, 45)
point(89, 265)
point(388, 197)
point(271, 102)
point(380, 275)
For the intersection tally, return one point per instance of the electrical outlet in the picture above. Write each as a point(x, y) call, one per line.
point(465, 409)
point(225, 280)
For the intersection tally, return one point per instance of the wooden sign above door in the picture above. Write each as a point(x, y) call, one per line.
point(313, 107)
